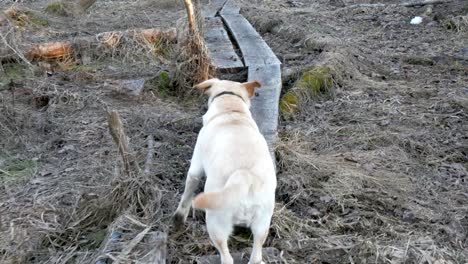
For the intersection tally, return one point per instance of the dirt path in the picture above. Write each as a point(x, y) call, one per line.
point(375, 171)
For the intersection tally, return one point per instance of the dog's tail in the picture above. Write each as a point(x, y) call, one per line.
point(237, 186)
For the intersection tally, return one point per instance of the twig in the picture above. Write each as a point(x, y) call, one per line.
point(407, 4)
point(118, 134)
point(426, 2)
point(150, 155)
point(135, 241)
point(6, 173)
point(191, 17)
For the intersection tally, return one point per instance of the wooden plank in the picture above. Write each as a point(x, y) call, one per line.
point(219, 45)
point(230, 8)
point(270, 255)
point(158, 241)
point(265, 106)
point(212, 9)
point(255, 51)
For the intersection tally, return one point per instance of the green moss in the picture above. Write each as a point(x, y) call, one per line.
point(37, 20)
point(14, 171)
point(161, 84)
point(57, 8)
point(316, 81)
point(82, 68)
point(13, 72)
point(164, 82)
point(289, 103)
point(419, 61)
point(96, 238)
point(313, 83)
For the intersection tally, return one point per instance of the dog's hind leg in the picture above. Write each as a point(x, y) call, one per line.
point(219, 231)
point(194, 175)
point(260, 233)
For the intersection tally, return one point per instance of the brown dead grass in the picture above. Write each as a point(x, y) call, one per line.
point(366, 176)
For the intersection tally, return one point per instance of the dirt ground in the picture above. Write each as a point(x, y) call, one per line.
point(375, 171)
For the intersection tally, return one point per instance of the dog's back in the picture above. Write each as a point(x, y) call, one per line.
point(235, 153)
point(240, 174)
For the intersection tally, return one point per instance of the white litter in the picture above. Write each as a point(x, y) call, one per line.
point(416, 20)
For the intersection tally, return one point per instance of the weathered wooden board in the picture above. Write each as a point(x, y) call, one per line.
point(219, 45)
point(265, 106)
point(157, 255)
point(230, 8)
point(212, 8)
point(262, 63)
point(255, 51)
point(270, 255)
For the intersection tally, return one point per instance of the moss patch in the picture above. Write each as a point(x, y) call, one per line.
point(313, 83)
point(419, 61)
point(15, 171)
point(289, 103)
point(56, 8)
point(317, 81)
point(161, 84)
point(14, 72)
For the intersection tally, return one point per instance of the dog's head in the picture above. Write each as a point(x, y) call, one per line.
point(215, 88)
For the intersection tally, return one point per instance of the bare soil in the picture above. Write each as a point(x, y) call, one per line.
point(376, 172)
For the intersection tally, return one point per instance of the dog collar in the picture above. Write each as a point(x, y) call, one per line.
point(227, 92)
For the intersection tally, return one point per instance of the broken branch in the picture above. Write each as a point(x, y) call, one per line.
point(118, 134)
point(150, 155)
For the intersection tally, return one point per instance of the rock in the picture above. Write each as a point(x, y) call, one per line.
point(384, 122)
point(408, 216)
point(319, 42)
point(369, 167)
point(313, 212)
point(326, 199)
point(132, 87)
point(464, 53)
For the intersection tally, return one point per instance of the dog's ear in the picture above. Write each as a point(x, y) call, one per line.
point(251, 86)
point(206, 84)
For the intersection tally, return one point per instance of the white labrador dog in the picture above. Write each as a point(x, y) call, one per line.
point(240, 174)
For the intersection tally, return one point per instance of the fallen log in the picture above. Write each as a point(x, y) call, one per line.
point(56, 51)
point(50, 51)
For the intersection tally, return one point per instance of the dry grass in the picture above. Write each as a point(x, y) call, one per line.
point(364, 177)
point(192, 62)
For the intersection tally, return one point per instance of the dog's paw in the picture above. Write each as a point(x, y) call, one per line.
point(261, 262)
point(178, 219)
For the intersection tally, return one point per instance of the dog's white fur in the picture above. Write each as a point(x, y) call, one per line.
point(240, 174)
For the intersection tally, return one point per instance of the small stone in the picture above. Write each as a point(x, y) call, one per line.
point(369, 167)
point(408, 216)
point(385, 122)
point(313, 212)
point(325, 199)
point(133, 87)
